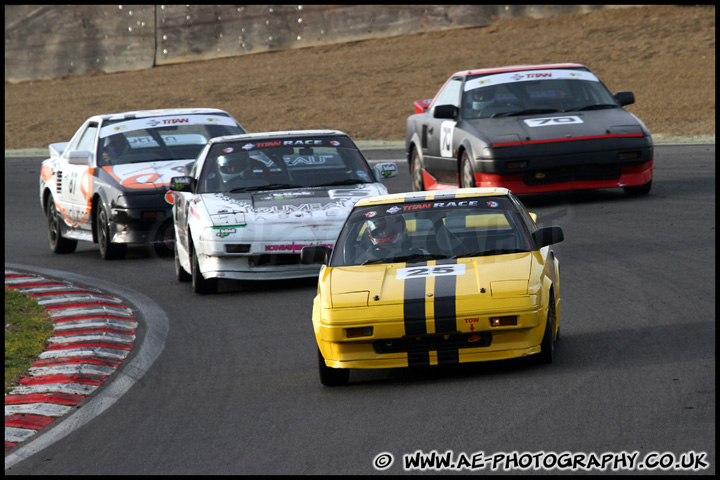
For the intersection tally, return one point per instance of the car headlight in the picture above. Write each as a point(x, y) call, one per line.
point(120, 202)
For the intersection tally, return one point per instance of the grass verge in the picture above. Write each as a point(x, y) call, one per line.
point(27, 328)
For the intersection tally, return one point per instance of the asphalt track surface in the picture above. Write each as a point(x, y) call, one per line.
point(228, 383)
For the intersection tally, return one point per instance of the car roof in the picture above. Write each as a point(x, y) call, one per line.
point(435, 195)
point(156, 113)
point(277, 135)
point(517, 68)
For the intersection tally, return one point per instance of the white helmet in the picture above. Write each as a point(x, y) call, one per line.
point(234, 165)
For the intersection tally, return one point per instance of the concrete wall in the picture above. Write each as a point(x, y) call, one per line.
point(49, 41)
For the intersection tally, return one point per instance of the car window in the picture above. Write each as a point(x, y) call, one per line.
point(172, 137)
point(435, 229)
point(542, 91)
point(450, 93)
point(87, 141)
point(277, 164)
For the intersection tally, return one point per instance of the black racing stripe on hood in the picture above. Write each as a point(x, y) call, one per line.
point(414, 304)
point(446, 312)
point(445, 286)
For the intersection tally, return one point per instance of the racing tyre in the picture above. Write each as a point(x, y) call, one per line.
point(108, 249)
point(418, 185)
point(547, 347)
point(180, 272)
point(467, 175)
point(58, 243)
point(332, 377)
point(638, 189)
point(164, 239)
point(201, 284)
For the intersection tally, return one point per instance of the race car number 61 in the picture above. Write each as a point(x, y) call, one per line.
point(430, 271)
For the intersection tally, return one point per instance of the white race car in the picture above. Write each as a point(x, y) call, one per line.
point(253, 201)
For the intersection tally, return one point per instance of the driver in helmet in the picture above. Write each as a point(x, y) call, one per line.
point(234, 167)
point(114, 147)
point(481, 98)
point(386, 235)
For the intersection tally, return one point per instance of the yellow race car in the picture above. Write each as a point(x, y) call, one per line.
point(432, 278)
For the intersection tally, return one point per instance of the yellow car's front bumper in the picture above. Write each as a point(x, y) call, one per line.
point(428, 351)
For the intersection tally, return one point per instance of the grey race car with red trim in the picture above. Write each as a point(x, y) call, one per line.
point(109, 184)
point(531, 129)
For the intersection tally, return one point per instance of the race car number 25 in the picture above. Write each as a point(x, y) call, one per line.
point(430, 271)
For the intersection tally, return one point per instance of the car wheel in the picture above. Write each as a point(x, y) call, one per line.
point(164, 239)
point(547, 347)
point(180, 272)
point(418, 185)
point(638, 190)
point(201, 284)
point(332, 377)
point(108, 249)
point(58, 243)
point(467, 175)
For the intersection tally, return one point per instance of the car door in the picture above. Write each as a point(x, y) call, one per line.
point(75, 177)
point(181, 205)
point(437, 135)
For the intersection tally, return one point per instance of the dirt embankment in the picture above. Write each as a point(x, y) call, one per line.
point(664, 54)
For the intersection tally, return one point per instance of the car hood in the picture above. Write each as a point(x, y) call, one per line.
point(377, 285)
point(147, 177)
point(297, 205)
point(556, 126)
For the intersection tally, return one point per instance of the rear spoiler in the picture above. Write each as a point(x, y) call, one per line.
point(422, 105)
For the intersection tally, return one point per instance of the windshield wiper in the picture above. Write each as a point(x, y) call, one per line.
point(483, 253)
point(594, 106)
point(348, 181)
point(405, 258)
point(271, 186)
point(529, 111)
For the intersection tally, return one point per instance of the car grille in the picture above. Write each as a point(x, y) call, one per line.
point(433, 342)
point(272, 259)
point(572, 175)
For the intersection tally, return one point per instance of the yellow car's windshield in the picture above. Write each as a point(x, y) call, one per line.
point(419, 231)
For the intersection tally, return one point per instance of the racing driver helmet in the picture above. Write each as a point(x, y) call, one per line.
point(482, 97)
point(386, 230)
point(233, 166)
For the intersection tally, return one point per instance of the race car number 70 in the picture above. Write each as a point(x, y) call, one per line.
point(430, 271)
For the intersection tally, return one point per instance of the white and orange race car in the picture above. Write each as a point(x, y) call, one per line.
point(109, 183)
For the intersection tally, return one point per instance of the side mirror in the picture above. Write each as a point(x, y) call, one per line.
point(385, 170)
point(446, 111)
point(548, 236)
point(315, 254)
point(625, 98)
point(80, 157)
point(182, 184)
